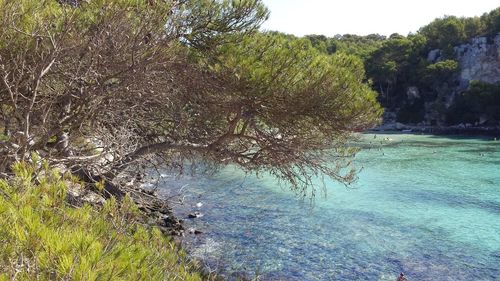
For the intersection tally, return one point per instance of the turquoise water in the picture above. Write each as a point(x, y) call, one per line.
point(427, 206)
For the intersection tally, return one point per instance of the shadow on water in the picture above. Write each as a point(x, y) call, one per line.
point(255, 229)
point(437, 198)
point(483, 149)
point(273, 236)
point(472, 137)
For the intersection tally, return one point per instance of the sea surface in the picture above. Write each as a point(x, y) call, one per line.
point(424, 205)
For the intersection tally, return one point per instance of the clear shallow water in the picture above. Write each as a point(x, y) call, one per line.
point(424, 205)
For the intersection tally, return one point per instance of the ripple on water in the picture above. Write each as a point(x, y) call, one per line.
point(434, 217)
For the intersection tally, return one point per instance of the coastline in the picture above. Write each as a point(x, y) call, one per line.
point(173, 224)
point(490, 131)
point(400, 131)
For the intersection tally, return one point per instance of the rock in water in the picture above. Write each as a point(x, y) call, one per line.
point(195, 215)
point(195, 231)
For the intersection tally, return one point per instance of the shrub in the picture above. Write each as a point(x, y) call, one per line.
point(480, 100)
point(43, 238)
point(412, 112)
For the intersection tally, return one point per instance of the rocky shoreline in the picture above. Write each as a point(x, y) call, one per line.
point(461, 129)
point(155, 211)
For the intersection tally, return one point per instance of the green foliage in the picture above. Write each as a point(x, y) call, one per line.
point(43, 238)
point(447, 32)
point(444, 34)
point(481, 100)
point(294, 98)
point(184, 79)
point(385, 62)
point(360, 46)
point(3, 137)
point(313, 85)
point(440, 71)
point(443, 68)
point(491, 22)
point(411, 112)
point(214, 21)
point(473, 27)
point(320, 43)
point(396, 63)
point(30, 17)
point(401, 62)
point(392, 67)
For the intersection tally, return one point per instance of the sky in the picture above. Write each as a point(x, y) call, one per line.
point(362, 17)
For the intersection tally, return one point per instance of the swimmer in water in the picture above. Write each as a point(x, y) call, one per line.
point(402, 277)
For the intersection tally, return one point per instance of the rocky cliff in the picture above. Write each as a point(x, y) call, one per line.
point(479, 60)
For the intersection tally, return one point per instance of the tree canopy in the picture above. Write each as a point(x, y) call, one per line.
point(449, 31)
point(102, 85)
point(425, 61)
point(480, 103)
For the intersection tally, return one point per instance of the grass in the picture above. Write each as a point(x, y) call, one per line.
point(42, 237)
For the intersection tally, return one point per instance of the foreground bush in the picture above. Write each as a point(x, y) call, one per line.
point(43, 238)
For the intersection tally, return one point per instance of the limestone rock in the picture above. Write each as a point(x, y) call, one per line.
point(400, 126)
point(78, 195)
point(412, 93)
point(194, 231)
point(479, 60)
point(195, 215)
point(434, 56)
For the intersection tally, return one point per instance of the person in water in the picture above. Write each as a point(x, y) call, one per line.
point(402, 277)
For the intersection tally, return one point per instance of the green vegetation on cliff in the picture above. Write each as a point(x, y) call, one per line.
point(408, 80)
point(480, 102)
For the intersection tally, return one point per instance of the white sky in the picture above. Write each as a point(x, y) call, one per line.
point(362, 17)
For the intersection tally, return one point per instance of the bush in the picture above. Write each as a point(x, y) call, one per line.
point(437, 73)
point(412, 112)
point(480, 100)
point(43, 238)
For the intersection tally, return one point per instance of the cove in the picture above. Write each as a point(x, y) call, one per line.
point(424, 205)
